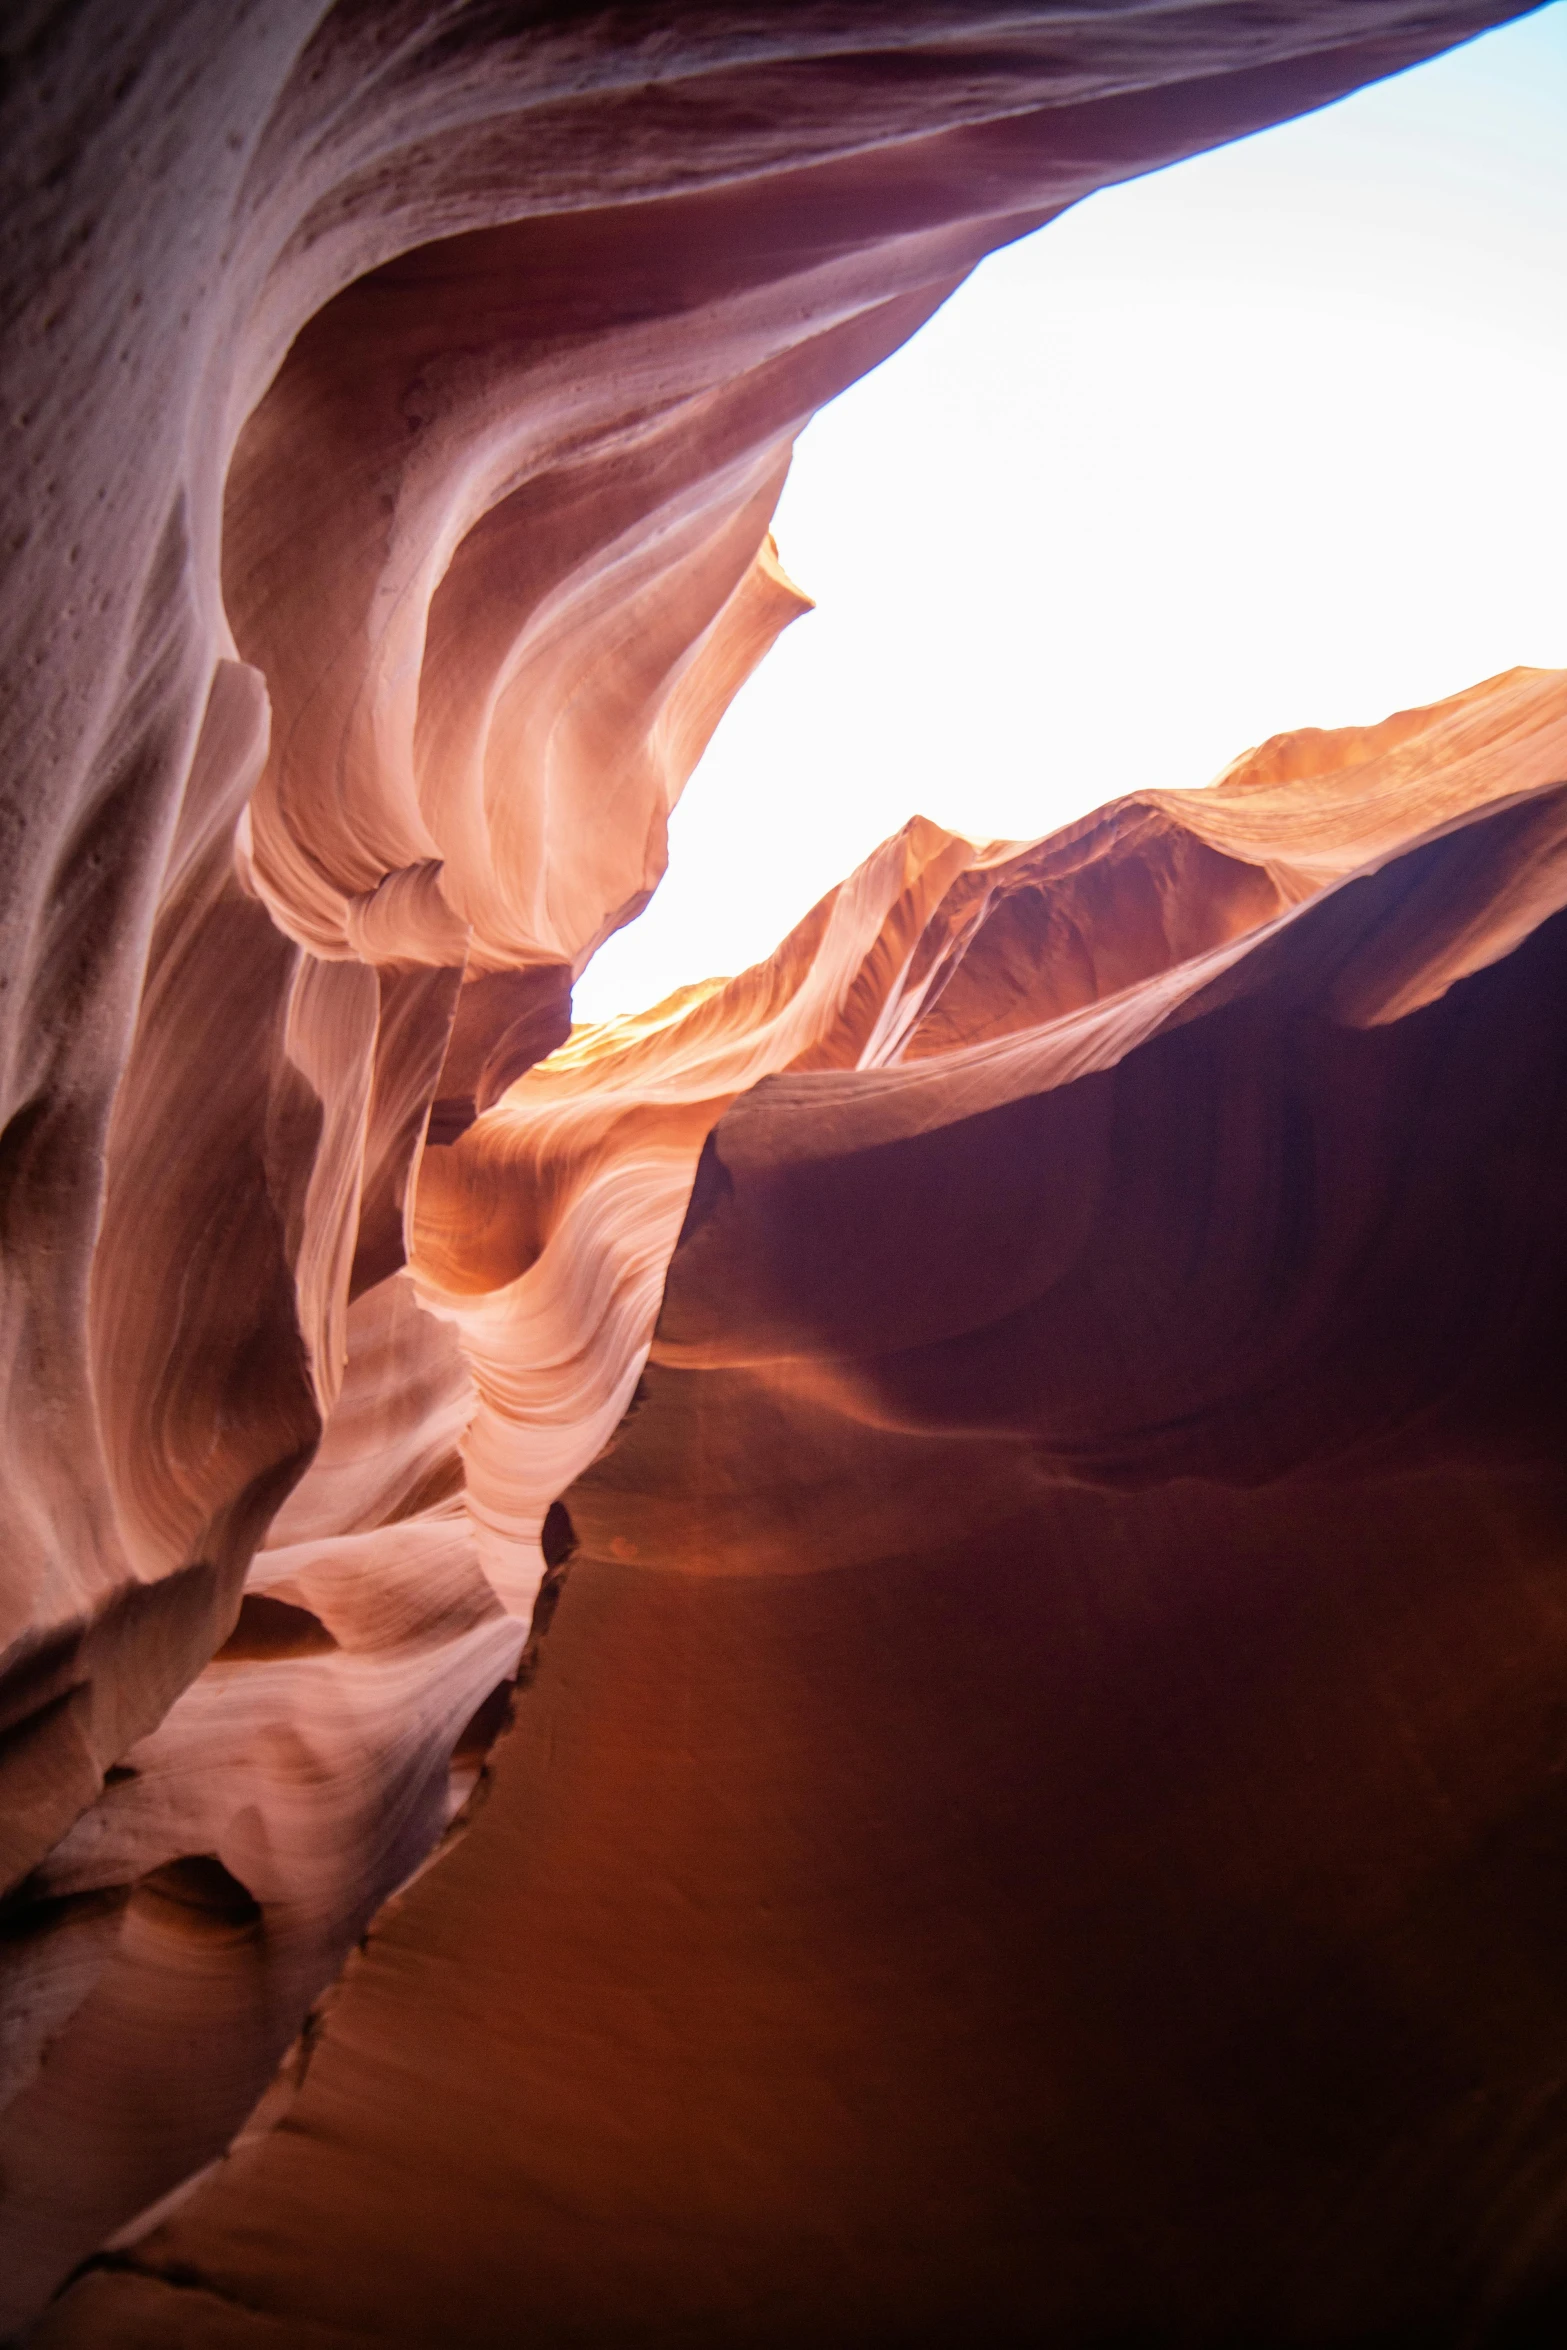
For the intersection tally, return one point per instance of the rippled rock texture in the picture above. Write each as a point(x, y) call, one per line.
point(1037, 1815)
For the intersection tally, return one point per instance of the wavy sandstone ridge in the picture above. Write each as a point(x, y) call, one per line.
point(1045, 1768)
point(1127, 1261)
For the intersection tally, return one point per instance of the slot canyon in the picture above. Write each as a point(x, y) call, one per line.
point(874, 1658)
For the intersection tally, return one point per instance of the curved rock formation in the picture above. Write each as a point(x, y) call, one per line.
point(1039, 1815)
point(1127, 1261)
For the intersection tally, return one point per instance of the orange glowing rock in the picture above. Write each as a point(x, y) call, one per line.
point(1030, 1419)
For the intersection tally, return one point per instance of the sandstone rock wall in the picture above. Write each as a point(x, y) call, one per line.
point(400, 397)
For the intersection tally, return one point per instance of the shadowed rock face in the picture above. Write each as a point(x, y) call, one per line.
point(1036, 1816)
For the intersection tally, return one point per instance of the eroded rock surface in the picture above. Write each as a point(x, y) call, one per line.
point(1037, 1806)
point(1039, 1814)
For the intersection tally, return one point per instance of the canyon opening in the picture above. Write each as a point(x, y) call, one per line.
point(874, 1657)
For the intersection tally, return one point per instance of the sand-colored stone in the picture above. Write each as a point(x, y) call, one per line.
point(1034, 1810)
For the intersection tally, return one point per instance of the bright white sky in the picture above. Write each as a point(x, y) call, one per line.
point(1275, 438)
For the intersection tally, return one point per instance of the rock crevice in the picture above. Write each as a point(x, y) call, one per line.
point(1041, 1771)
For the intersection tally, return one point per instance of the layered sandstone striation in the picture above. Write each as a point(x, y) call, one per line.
point(1035, 1809)
point(1037, 1815)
